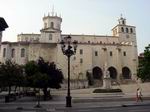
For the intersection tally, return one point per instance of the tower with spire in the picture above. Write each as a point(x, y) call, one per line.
point(126, 34)
point(51, 31)
point(123, 31)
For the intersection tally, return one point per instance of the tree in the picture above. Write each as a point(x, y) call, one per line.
point(144, 65)
point(10, 75)
point(55, 75)
point(20, 77)
point(42, 74)
point(31, 68)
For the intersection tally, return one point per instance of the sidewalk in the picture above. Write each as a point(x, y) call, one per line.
point(80, 99)
point(59, 106)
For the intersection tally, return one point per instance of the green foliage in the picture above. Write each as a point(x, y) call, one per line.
point(144, 65)
point(31, 68)
point(43, 74)
point(40, 80)
point(107, 90)
point(11, 74)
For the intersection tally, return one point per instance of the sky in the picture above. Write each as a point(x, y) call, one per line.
point(96, 17)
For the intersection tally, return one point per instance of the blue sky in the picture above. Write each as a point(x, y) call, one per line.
point(79, 16)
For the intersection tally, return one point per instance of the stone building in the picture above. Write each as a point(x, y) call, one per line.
point(118, 51)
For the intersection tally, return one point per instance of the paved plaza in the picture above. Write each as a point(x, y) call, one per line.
point(82, 100)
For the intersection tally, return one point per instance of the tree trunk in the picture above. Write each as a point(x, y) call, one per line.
point(45, 93)
point(9, 90)
point(15, 89)
point(49, 94)
point(19, 93)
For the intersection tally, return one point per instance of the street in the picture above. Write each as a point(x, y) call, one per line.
point(143, 108)
point(56, 106)
point(82, 101)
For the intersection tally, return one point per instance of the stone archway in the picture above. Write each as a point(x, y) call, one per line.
point(126, 73)
point(113, 72)
point(97, 73)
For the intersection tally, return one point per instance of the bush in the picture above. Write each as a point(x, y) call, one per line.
point(107, 90)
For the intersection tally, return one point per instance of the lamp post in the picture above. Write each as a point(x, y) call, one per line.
point(68, 49)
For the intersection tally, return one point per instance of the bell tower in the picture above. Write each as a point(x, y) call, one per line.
point(123, 31)
point(122, 21)
point(126, 35)
point(51, 31)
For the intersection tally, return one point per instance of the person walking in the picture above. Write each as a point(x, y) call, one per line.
point(139, 95)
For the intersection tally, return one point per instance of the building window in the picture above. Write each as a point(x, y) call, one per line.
point(45, 25)
point(96, 53)
point(26, 39)
point(13, 53)
point(50, 36)
point(116, 31)
point(22, 52)
point(4, 52)
point(127, 36)
point(18, 39)
point(124, 53)
point(81, 60)
point(127, 30)
point(111, 53)
point(52, 25)
point(131, 30)
point(81, 51)
point(123, 22)
point(122, 29)
point(74, 58)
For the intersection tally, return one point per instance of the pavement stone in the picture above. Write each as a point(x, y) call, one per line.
point(79, 100)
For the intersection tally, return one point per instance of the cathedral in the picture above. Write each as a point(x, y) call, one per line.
point(117, 52)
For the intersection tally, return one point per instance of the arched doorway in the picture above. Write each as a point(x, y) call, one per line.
point(113, 72)
point(126, 73)
point(97, 73)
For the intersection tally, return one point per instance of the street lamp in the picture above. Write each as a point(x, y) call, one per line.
point(68, 48)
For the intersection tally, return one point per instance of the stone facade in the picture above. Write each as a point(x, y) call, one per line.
point(118, 51)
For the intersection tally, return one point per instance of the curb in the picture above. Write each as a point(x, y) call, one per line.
point(100, 99)
point(113, 106)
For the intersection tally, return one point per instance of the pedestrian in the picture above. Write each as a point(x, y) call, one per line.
point(138, 95)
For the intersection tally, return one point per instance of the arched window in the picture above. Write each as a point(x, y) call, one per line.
point(123, 22)
point(131, 30)
point(97, 73)
point(126, 73)
point(45, 25)
point(113, 72)
point(96, 53)
point(4, 52)
point(13, 53)
point(127, 30)
point(22, 52)
point(50, 36)
point(116, 31)
point(52, 24)
point(122, 29)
